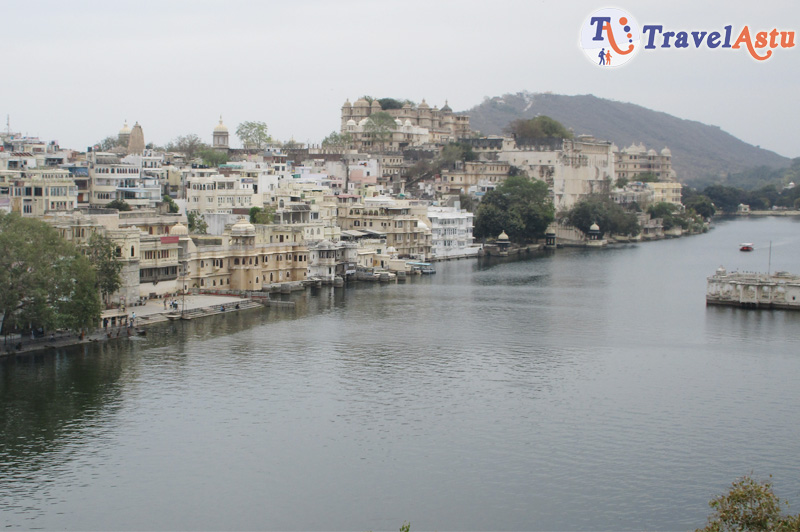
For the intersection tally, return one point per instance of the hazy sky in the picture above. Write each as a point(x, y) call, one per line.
point(74, 71)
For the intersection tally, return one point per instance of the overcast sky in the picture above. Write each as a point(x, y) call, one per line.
point(74, 71)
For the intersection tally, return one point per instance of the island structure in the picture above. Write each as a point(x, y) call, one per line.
point(780, 290)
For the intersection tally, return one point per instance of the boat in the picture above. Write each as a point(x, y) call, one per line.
point(746, 246)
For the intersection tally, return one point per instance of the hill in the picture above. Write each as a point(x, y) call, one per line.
point(698, 150)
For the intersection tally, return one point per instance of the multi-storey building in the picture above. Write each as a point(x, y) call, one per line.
point(451, 233)
point(112, 179)
point(631, 162)
point(466, 174)
point(414, 125)
point(407, 233)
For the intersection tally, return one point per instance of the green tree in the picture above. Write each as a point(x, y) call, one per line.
point(102, 255)
point(260, 215)
point(700, 204)
point(337, 140)
point(749, 505)
point(196, 223)
point(390, 103)
point(173, 207)
point(109, 143)
point(539, 127)
point(213, 158)
point(118, 204)
point(520, 207)
point(605, 213)
point(44, 280)
point(254, 135)
point(190, 145)
point(380, 125)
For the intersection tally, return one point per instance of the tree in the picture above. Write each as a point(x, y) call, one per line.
point(102, 255)
point(109, 143)
point(253, 135)
point(44, 280)
point(262, 216)
point(118, 204)
point(601, 210)
point(390, 103)
point(190, 145)
point(173, 207)
point(749, 506)
point(213, 158)
point(647, 177)
point(380, 125)
point(196, 223)
point(701, 205)
point(539, 127)
point(520, 207)
point(337, 140)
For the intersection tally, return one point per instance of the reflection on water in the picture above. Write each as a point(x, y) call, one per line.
point(582, 389)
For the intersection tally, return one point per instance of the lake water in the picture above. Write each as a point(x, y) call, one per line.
point(579, 390)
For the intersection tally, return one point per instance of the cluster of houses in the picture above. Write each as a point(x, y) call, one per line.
point(331, 210)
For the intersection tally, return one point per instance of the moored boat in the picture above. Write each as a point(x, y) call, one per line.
point(746, 246)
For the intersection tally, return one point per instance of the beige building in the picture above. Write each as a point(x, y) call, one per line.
point(407, 233)
point(414, 125)
point(247, 257)
point(572, 168)
point(39, 191)
point(631, 162)
point(468, 174)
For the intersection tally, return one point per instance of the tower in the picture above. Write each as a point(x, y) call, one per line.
point(220, 137)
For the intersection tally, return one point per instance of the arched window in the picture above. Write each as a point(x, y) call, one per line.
point(236, 261)
point(133, 251)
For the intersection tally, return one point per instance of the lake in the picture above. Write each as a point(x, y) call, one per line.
point(585, 389)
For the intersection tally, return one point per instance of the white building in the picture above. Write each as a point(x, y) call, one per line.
point(451, 233)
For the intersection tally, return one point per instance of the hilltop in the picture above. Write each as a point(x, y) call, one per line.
point(698, 150)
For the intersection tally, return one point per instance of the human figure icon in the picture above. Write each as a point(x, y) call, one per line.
point(602, 56)
point(608, 58)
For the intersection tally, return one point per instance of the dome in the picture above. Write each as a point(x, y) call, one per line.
point(376, 105)
point(390, 250)
point(178, 229)
point(407, 106)
point(398, 122)
point(361, 102)
point(651, 151)
point(423, 105)
point(220, 127)
point(503, 236)
point(666, 153)
point(347, 103)
point(594, 227)
point(351, 122)
point(363, 122)
point(243, 228)
point(407, 123)
point(446, 108)
point(125, 129)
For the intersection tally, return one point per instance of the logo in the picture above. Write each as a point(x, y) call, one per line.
point(610, 37)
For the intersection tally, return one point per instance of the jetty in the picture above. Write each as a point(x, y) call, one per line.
point(780, 290)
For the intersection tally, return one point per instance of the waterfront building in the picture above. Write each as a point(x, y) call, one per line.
point(246, 257)
point(573, 168)
point(327, 260)
point(451, 233)
point(407, 233)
